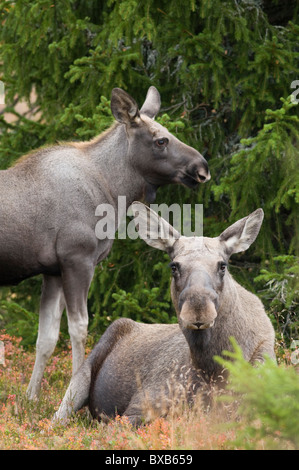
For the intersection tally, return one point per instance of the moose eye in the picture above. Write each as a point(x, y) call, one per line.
point(161, 142)
point(222, 267)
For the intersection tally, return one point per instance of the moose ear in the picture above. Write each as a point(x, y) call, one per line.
point(152, 103)
point(239, 236)
point(124, 108)
point(152, 228)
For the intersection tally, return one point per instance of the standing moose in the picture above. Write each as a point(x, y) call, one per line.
point(138, 369)
point(48, 204)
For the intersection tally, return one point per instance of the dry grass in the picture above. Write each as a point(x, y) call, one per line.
point(27, 425)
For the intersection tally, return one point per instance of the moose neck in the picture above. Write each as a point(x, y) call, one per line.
point(110, 153)
point(205, 344)
point(199, 342)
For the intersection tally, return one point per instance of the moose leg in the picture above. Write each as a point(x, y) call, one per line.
point(77, 393)
point(76, 282)
point(51, 308)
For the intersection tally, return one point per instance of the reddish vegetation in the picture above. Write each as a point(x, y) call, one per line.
point(26, 425)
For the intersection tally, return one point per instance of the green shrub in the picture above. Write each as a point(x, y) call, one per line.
point(280, 292)
point(268, 402)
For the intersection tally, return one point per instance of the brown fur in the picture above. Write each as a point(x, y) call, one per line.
point(93, 142)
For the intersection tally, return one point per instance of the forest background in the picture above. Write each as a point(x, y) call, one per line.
point(225, 71)
point(228, 75)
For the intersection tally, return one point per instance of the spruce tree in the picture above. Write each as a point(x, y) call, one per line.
point(221, 67)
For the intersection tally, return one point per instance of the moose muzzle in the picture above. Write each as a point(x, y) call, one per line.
point(197, 310)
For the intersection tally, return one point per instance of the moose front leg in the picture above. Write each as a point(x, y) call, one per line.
point(77, 393)
point(51, 308)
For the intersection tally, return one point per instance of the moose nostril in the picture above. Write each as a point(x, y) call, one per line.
point(204, 176)
point(201, 177)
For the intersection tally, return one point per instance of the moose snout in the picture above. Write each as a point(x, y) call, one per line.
point(197, 312)
point(198, 319)
point(203, 177)
point(199, 169)
point(203, 171)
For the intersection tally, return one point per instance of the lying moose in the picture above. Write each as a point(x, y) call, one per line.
point(137, 366)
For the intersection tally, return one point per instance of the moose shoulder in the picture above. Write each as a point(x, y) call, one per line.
point(48, 204)
point(135, 367)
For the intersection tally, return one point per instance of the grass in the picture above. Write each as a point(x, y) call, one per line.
point(28, 425)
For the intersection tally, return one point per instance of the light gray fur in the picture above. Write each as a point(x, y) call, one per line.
point(48, 204)
point(135, 367)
